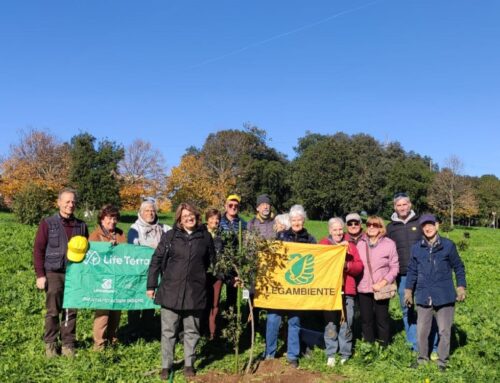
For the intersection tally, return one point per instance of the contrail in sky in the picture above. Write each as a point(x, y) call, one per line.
point(279, 36)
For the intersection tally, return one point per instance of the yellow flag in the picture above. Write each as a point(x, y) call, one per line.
point(309, 278)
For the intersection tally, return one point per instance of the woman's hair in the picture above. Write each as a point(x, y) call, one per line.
point(338, 220)
point(211, 212)
point(298, 210)
point(380, 221)
point(282, 219)
point(188, 207)
point(108, 210)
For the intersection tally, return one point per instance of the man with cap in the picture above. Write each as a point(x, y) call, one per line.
point(429, 277)
point(49, 258)
point(405, 231)
point(263, 221)
point(354, 229)
point(229, 224)
point(230, 220)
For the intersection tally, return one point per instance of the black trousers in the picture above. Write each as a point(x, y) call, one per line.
point(375, 319)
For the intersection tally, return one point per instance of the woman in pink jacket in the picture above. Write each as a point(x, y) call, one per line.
point(338, 334)
point(382, 258)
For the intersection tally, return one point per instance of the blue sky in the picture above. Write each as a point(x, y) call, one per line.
point(425, 73)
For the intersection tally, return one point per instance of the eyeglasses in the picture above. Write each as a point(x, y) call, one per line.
point(353, 223)
point(233, 205)
point(190, 215)
point(373, 224)
point(400, 195)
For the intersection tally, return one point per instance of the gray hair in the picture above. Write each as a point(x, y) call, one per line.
point(149, 202)
point(338, 220)
point(298, 210)
point(283, 219)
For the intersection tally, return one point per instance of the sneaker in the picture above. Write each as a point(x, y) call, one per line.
point(165, 373)
point(434, 356)
point(189, 371)
point(51, 350)
point(331, 361)
point(343, 360)
point(442, 368)
point(293, 363)
point(68, 351)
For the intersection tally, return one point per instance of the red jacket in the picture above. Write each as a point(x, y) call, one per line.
point(353, 266)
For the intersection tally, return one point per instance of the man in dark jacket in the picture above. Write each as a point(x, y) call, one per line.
point(430, 277)
point(405, 231)
point(49, 258)
point(263, 221)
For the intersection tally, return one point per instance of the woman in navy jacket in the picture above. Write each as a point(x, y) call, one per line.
point(430, 275)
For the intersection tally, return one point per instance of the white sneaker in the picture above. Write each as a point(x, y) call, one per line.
point(331, 361)
point(343, 360)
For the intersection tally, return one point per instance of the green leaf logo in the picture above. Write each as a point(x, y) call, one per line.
point(300, 269)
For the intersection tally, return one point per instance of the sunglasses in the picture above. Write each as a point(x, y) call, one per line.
point(233, 205)
point(400, 195)
point(373, 224)
point(353, 223)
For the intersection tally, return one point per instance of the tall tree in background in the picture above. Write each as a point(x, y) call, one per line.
point(447, 187)
point(336, 174)
point(409, 173)
point(39, 158)
point(143, 173)
point(94, 172)
point(243, 159)
point(488, 195)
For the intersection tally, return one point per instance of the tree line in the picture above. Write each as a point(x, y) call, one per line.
point(331, 174)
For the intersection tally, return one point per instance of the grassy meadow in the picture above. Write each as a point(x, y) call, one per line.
point(475, 346)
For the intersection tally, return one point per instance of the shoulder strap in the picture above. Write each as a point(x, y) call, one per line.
point(368, 260)
point(169, 236)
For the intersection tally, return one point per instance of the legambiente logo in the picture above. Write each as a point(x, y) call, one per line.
point(300, 269)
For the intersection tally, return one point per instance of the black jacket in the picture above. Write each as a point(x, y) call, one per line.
point(405, 235)
point(183, 283)
point(301, 236)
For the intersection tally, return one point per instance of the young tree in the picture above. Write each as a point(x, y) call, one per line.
point(446, 189)
point(143, 173)
point(94, 172)
point(38, 158)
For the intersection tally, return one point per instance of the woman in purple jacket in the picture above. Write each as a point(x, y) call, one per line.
point(381, 258)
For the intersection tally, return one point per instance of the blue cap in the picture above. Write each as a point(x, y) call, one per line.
point(427, 218)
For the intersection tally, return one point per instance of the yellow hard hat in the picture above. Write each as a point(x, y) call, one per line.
point(77, 248)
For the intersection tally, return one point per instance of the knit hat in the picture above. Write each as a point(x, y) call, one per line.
point(263, 198)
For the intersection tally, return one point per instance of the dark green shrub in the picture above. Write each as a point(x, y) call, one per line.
point(32, 203)
point(462, 245)
point(445, 227)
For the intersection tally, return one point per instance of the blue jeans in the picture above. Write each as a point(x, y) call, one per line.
point(272, 328)
point(342, 338)
point(410, 319)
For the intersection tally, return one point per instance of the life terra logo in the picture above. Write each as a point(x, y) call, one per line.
point(300, 269)
point(93, 258)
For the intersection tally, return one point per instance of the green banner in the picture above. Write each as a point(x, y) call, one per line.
point(109, 277)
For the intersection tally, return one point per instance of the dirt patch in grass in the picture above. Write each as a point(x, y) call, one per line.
point(273, 371)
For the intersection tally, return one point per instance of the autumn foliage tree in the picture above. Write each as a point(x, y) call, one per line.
point(40, 159)
point(142, 172)
point(193, 181)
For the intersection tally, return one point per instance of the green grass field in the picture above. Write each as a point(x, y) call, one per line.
point(475, 347)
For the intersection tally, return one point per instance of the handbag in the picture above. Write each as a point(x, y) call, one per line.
point(386, 292)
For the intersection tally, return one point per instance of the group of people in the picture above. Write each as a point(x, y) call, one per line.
point(409, 252)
